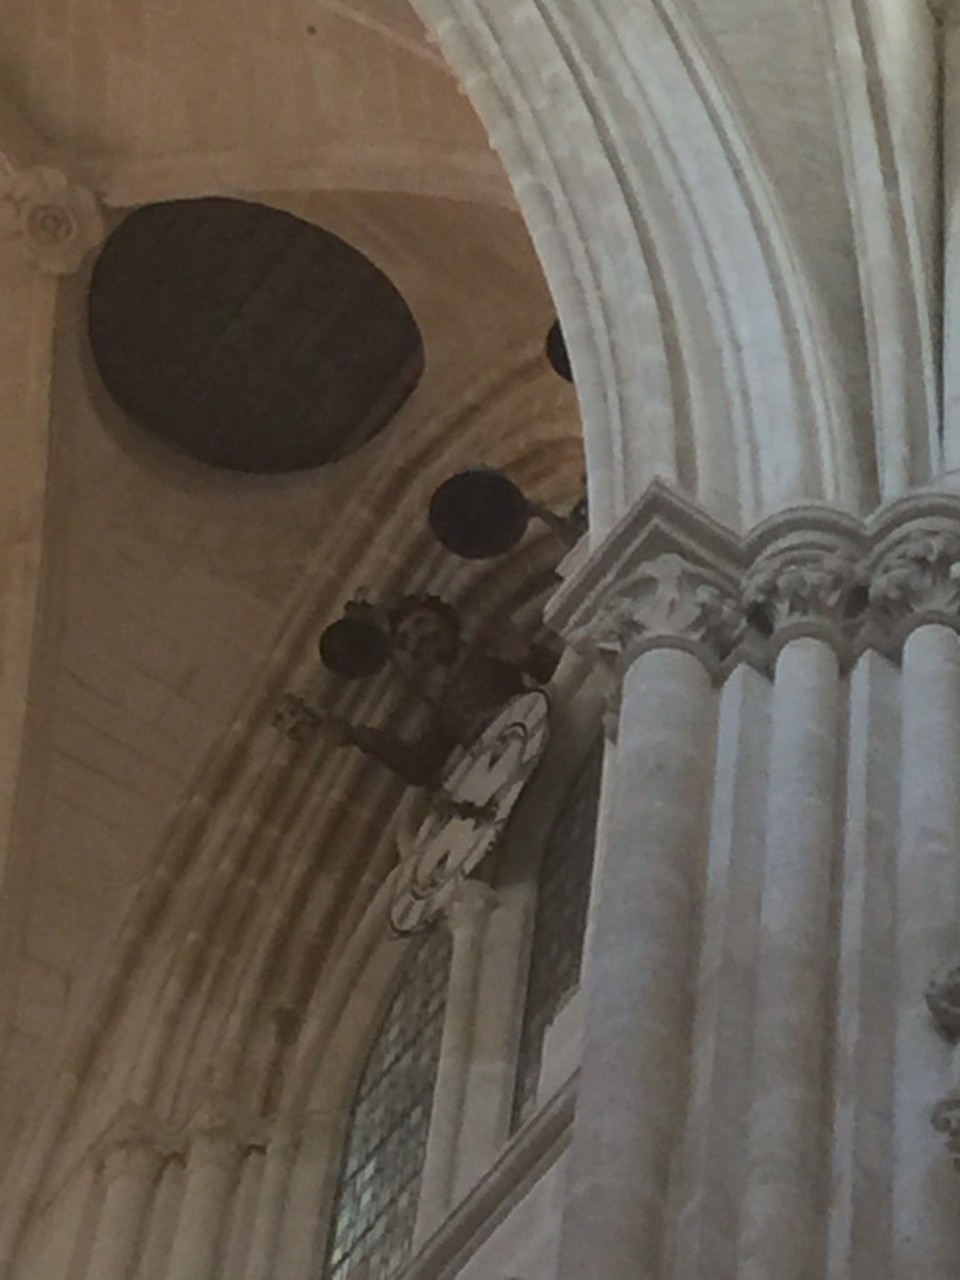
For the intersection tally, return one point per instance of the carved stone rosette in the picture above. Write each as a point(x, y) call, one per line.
point(50, 220)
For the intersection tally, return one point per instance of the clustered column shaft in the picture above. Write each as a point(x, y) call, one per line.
point(804, 598)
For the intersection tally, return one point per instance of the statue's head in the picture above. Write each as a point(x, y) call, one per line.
point(425, 631)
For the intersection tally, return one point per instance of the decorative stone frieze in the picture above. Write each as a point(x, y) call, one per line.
point(943, 1001)
point(49, 219)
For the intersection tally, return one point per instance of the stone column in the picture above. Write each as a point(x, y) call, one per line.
point(311, 1185)
point(46, 227)
point(660, 602)
point(129, 1171)
point(805, 591)
point(916, 589)
point(467, 918)
point(214, 1146)
point(273, 1187)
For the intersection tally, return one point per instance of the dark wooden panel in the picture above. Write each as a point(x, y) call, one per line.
point(247, 337)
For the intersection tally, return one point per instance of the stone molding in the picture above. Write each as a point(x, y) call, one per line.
point(218, 1133)
point(670, 577)
point(48, 219)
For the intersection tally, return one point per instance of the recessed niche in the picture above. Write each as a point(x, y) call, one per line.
point(247, 338)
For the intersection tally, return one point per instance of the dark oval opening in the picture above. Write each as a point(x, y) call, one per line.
point(248, 338)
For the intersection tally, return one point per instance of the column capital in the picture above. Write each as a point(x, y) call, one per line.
point(805, 576)
point(670, 577)
point(135, 1137)
point(667, 577)
point(915, 566)
point(50, 220)
point(220, 1130)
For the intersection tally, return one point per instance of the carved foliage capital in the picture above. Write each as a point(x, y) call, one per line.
point(668, 598)
point(919, 578)
point(800, 590)
point(670, 576)
point(52, 221)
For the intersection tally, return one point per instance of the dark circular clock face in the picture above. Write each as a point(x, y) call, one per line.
point(490, 777)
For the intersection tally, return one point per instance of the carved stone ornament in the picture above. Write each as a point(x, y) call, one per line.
point(946, 1120)
point(943, 1001)
point(52, 221)
point(669, 598)
point(782, 594)
point(920, 578)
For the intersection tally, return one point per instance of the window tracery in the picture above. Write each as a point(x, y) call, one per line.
point(376, 1202)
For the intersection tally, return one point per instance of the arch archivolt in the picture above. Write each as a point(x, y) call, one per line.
point(704, 349)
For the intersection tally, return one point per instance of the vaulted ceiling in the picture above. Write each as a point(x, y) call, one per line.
point(181, 598)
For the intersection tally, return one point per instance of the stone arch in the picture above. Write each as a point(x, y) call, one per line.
point(698, 344)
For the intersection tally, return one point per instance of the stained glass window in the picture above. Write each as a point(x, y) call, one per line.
point(376, 1203)
point(563, 895)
